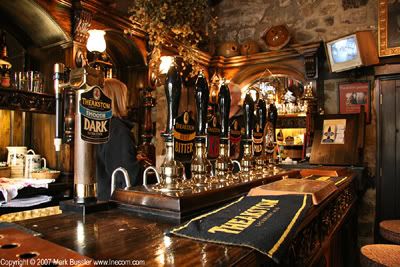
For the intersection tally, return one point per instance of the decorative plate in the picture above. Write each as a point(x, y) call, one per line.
point(276, 37)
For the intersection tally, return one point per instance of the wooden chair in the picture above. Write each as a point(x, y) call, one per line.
point(380, 255)
point(390, 230)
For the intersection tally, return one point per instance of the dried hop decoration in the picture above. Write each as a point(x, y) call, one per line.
point(169, 23)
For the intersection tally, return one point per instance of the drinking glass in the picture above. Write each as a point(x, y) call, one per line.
point(22, 81)
point(37, 83)
point(29, 79)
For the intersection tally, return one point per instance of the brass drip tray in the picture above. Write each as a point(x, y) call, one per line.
point(181, 205)
point(168, 189)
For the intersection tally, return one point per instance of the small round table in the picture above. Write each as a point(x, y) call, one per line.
point(380, 255)
point(390, 230)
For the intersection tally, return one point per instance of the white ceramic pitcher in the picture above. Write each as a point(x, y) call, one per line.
point(16, 160)
point(33, 162)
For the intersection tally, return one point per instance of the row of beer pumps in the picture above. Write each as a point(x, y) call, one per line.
point(258, 143)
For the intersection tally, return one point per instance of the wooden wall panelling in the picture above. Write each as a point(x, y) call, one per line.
point(4, 133)
point(43, 132)
point(17, 131)
point(67, 158)
point(28, 129)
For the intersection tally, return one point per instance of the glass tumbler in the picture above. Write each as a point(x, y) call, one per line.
point(37, 82)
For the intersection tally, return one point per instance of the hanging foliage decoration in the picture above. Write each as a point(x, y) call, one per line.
point(182, 25)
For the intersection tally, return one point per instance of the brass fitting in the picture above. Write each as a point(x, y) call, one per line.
point(224, 167)
point(247, 163)
point(201, 166)
point(172, 171)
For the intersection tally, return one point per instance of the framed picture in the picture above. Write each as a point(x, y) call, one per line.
point(389, 27)
point(354, 95)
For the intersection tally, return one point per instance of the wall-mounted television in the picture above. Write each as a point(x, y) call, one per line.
point(352, 51)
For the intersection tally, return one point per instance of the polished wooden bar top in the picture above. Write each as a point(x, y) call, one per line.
point(118, 234)
point(121, 234)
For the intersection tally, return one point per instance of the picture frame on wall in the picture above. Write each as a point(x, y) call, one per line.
point(389, 27)
point(353, 95)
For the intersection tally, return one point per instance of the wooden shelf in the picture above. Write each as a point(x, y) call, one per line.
point(13, 99)
point(292, 115)
point(290, 145)
point(291, 121)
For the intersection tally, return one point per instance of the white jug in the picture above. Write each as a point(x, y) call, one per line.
point(16, 160)
point(33, 162)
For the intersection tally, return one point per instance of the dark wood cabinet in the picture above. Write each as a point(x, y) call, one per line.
point(388, 141)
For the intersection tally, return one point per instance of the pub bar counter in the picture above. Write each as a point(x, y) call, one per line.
point(255, 134)
point(325, 237)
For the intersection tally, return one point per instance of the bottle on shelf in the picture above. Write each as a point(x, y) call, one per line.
point(4, 53)
point(5, 65)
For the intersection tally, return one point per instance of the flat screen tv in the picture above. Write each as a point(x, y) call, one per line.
point(352, 51)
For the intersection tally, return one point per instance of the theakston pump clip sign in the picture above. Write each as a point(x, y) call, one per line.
point(96, 112)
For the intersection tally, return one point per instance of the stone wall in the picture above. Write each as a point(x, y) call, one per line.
point(307, 20)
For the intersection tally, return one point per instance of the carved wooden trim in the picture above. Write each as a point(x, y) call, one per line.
point(294, 51)
point(81, 22)
point(27, 101)
point(310, 239)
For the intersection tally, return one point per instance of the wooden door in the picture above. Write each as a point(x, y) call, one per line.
point(388, 176)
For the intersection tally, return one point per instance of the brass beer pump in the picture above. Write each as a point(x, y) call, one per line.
point(247, 160)
point(270, 136)
point(223, 164)
point(201, 166)
point(172, 171)
point(258, 139)
point(81, 80)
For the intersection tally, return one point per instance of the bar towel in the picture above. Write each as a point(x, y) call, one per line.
point(264, 223)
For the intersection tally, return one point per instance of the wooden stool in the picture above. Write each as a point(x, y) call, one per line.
point(390, 230)
point(380, 255)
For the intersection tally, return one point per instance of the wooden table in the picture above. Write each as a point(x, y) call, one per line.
point(119, 234)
